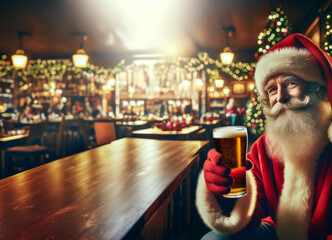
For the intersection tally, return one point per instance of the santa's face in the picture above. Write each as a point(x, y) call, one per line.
point(284, 93)
point(282, 88)
point(295, 116)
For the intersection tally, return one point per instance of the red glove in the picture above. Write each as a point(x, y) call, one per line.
point(216, 174)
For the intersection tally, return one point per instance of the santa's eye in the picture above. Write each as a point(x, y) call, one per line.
point(292, 84)
point(272, 90)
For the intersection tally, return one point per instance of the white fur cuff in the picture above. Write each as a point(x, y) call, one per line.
point(211, 212)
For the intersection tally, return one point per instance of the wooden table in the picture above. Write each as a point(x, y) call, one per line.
point(6, 142)
point(186, 133)
point(108, 192)
point(125, 128)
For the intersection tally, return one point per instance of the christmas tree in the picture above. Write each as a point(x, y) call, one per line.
point(277, 28)
point(254, 118)
point(327, 32)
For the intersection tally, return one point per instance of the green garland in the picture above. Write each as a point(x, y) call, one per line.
point(239, 71)
point(6, 68)
point(57, 70)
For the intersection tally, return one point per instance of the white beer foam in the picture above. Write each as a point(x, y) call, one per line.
point(230, 132)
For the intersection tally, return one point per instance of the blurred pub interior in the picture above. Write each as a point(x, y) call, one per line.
point(154, 71)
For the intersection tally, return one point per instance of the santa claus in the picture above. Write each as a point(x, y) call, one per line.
point(290, 181)
point(231, 110)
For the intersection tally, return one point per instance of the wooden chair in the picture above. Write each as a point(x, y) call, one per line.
point(104, 132)
point(32, 150)
point(59, 139)
point(85, 131)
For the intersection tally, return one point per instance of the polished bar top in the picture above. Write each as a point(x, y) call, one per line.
point(158, 131)
point(208, 123)
point(132, 123)
point(13, 137)
point(99, 194)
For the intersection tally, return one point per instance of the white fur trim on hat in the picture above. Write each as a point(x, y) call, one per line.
point(291, 60)
point(211, 212)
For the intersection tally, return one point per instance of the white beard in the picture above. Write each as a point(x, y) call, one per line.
point(296, 138)
point(299, 133)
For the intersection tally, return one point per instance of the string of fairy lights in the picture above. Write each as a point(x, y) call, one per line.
point(327, 32)
point(59, 70)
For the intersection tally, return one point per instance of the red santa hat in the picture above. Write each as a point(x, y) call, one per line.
point(299, 56)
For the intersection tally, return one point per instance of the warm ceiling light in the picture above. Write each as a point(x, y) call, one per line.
point(219, 83)
point(111, 81)
point(199, 84)
point(3, 107)
point(226, 91)
point(131, 90)
point(211, 89)
point(19, 59)
point(251, 86)
point(227, 55)
point(80, 59)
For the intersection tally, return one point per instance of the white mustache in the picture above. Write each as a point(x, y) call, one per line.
point(293, 103)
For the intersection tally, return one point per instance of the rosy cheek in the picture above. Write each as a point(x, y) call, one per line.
point(297, 93)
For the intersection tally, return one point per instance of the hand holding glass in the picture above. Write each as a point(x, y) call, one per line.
point(231, 142)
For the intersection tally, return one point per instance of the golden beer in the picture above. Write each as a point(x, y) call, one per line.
point(231, 143)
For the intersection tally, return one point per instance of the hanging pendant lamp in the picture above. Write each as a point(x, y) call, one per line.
point(219, 83)
point(19, 59)
point(80, 59)
point(227, 55)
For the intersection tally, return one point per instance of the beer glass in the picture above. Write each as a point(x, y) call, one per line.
point(231, 142)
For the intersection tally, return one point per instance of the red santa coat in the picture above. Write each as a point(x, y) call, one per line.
point(270, 178)
point(265, 183)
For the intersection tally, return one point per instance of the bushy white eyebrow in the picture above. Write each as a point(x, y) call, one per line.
point(286, 79)
point(268, 85)
point(292, 78)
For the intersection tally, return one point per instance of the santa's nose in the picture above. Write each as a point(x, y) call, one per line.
point(282, 95)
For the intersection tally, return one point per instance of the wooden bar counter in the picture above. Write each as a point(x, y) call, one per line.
point(186, 133)
point(109, 192)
